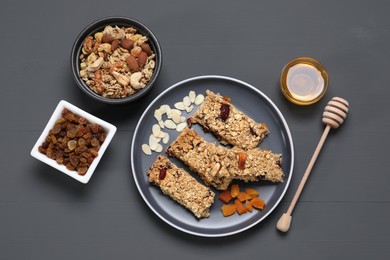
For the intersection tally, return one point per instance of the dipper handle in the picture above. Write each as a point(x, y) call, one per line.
point(334, 115)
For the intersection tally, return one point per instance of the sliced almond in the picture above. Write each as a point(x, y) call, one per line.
point(159, 148)
point(186, 101)
point(161, 135)
point(156, 130)
point(146, 149)
point(192, 96)
point(189, 109)
point(180, 105)
point(176, 119)
point(170, 124)
point(199, 99)
point(181, 126)
point(157, 114)
point(183, 119)
point(166, 138)
point(153, 141)
point(164, 109)
point(161, 124)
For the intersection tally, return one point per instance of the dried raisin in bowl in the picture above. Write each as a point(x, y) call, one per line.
point(108, 129)
point(98, 27)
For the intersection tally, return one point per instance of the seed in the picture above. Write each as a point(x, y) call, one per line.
point(199, 99)
point(189, 109)
point(161, 135)
point(179, 105)
point(176, 118)
point(146, 149)
point(157, 114)
point(181, 126)
point(166, 138)
point(159, 148)
point(170, 124)
point(153, 142)
point(156, 130)
point(161, 124)
point(186, 101)
point(192, 96)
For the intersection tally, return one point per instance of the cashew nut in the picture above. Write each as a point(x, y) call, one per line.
point(105, 47)
point(96, 65)
point(135, 80)
point(122, 79)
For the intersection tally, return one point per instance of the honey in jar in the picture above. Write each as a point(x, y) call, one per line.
point(304, 81)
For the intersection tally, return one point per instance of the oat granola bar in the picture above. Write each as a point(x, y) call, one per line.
point(208, 160)
point(181, 187)
point(218, 166)
point(229, 124)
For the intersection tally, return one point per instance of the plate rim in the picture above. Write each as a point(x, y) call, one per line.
point(258, 92)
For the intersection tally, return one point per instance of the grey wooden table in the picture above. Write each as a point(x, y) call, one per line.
point(343, 212)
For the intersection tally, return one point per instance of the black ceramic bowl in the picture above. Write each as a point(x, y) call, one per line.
point(99, 25)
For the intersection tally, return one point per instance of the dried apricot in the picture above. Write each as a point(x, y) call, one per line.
point(225, 196)
point(228, 209)
point(248, 206)
point(235, 189)
point(241, 160)
point(243, 196)
point(258, 203)
point(252, 192)
point(241, 209)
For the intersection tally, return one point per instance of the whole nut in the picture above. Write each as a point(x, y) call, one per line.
point(127, 44)
point(132, 63)
point(114, 45)
point(142, 57)
point(107, 39)
point(146, 48)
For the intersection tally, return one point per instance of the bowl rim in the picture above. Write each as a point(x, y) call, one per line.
point(110, 129)
point(99, 24)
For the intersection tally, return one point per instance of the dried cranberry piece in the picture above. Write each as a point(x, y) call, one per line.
point(225, 110)
point(163, 173)
point(189, 122)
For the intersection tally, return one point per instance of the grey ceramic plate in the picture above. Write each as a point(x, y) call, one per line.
point(249, 100)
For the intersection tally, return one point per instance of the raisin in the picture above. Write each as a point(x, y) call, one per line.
point(56, 129)
point(83, 121)
point(81, 142)
point(74, 160)
point(72, 145)
point(80, 149)
point(95, 142)
point(45, 144)
point(225, 110)
point(71, 133)
point(82, 170)
point(163, 173)
point(62, 133)
point(94, 128)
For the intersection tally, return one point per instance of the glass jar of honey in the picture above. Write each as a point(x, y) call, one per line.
point(304, 81)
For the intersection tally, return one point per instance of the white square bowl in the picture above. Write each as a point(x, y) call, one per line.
point(109, 128)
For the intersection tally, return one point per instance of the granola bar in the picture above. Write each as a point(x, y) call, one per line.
point(218, 166)
point(203, 158)
point(181, 187)
point(229, 124)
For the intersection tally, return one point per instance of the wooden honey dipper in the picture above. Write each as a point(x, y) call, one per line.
point(334, 115)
